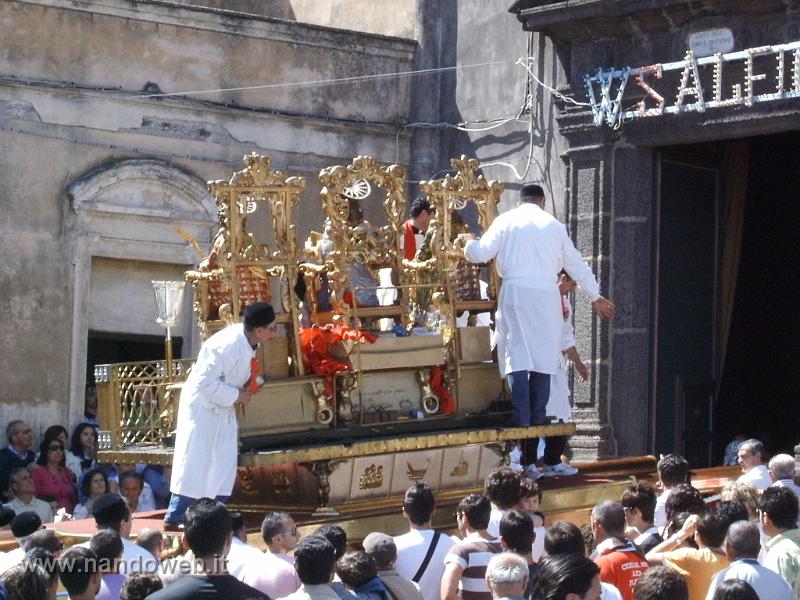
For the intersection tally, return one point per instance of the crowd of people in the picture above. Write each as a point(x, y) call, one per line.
point(670, 544)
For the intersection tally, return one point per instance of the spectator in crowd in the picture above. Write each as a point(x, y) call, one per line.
point(111, 512)
point(273, 573)
point(280, 534)
point(503, 487)
point(421, 551)
point(6, 516)
point(742, 544)
point(17, 454)
point(53, 480)
point(620, 561)
point(383, 551)
point(661, 583)
point(336, 536)
point(133, 488)
point(530, 501)
point(696, 565)
point(672, 470)
point(752, 456)
point(530, 498)
point(25, 581)
point(315, 559)
point(358, 571)
point(516, 535)
point(208, 532)
point(778, 510)
point(734, 510)
point(241, 553)
point(567, 576)
point(507, 576)
point(683, 498)
point(79, 573)
point(565, 538)
point(82, 449)
point(140, 585)
point(735, 589)
point(22, 490)
point(746, 493)
point(157, 477)
point(152, 540)
point(48, 562)
point(465, 563)
point(22, 527)
point(781, 471)
point(107, 545)
point(639, 502)
point(93, 485)
point(731, 458)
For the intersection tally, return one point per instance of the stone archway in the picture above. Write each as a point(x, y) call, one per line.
point(129, 211)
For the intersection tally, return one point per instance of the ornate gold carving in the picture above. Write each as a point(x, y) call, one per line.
point(416, 474)
point(372, 246)
point(462, 468)
point(246, 478)
point(281, 484)
point(372, 478)
point(238, 270)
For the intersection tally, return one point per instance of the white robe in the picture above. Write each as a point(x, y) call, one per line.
point(206, 445)
point(558, 403)
point(530, 247)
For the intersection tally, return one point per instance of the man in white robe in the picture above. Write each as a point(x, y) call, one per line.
point(530, 247)
point(205, 457)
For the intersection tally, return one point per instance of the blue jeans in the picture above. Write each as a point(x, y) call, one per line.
point(178, 505)
point(530, 392)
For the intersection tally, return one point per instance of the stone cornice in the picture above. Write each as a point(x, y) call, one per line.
point(592, 19)
point(238, 24)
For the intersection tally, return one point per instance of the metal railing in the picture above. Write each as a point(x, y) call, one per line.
point(132, 398)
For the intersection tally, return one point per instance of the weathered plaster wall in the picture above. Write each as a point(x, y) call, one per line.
point(70, 110)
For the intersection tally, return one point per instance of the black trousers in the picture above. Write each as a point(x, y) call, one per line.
point(553, 449)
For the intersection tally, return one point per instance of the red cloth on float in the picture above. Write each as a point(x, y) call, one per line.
point(316, 343)
point(446, 403)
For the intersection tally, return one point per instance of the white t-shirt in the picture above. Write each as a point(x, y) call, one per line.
point(757, 476)
point(411, 550)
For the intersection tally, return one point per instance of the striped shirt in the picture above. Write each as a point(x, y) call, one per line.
point(472, 554)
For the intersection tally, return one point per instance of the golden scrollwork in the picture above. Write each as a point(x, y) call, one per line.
point(241, 264)
point(281, 484)
point(356, 243)
point(372, 478)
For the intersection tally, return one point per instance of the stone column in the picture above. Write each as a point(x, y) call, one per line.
point(609, 216)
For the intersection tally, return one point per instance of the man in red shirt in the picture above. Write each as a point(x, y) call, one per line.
point(620, 561)
point(414, 228)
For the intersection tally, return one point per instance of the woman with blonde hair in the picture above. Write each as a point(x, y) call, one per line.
point(745, 493)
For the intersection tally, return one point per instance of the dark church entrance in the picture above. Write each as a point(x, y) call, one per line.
point(727, 316)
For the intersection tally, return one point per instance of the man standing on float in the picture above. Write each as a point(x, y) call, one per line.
point(206, 440)
point(530, 247)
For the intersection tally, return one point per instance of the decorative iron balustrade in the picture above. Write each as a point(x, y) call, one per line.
point(136, 405)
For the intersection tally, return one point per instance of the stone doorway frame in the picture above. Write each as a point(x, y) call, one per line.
point(100, 221)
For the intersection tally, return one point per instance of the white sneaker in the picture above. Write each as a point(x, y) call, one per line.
point(562, 469)
point(531, 472)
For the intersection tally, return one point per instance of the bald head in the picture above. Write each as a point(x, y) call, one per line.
point(742, 541)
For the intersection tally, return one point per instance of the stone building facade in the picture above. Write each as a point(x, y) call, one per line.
point(683, 214)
